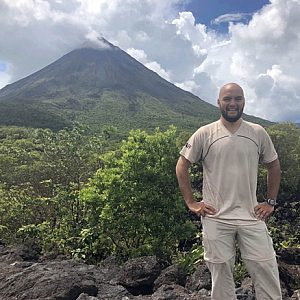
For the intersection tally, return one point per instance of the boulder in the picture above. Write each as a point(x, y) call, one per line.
point(174, 274)
point(51, 280)
point(138, 274)
point(171, 292)
point(20, 253)
point(200, 279)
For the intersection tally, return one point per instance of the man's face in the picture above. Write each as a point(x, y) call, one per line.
point(231, 102)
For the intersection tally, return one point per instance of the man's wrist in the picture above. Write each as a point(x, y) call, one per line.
point(189, 201)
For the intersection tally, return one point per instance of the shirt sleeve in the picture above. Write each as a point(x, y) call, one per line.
point(267, 151)
point(193, 149)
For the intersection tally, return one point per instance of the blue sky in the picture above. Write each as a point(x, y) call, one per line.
point(197, 45)
point(205, 11)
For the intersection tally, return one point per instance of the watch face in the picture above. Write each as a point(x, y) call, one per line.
point(272, 202)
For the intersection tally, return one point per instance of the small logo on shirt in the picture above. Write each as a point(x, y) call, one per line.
point(187, 145)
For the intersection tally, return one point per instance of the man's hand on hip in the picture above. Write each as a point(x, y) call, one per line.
point(202, 209)
point(263, 210)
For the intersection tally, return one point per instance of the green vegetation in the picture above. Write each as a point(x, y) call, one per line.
point(133, 200)
point(285, 223)
point(88, 197)
point(31, 115)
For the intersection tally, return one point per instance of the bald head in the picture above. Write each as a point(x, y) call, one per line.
point(231, 102)
point(230, 87)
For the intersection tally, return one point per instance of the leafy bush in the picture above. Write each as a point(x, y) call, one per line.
point(284, 224)
point(134, 202)
point(41, 173)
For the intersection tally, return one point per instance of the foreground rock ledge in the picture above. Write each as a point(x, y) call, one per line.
point(26, 276)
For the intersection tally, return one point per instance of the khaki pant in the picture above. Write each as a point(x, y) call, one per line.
point(257, 253)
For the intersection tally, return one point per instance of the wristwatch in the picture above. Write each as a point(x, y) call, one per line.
point(271, 201)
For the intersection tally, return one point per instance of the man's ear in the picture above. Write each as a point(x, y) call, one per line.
point(218, 101)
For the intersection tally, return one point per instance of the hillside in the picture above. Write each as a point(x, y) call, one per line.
point(99, 87)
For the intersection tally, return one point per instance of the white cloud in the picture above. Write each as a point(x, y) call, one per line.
point(262, 55)
point(156, 67)
point(142, 36)
point(141, 56)
point(201, 84)
point(230, 18)
point(138, 54)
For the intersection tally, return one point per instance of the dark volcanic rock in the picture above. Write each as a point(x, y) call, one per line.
point(23, 252)
point(86, 297)
point(52, 280)
point(171, 292)
point(138, 275)
point(173, 274)
point(200, 279)
point(108, 291)
point(26, 276)
point(110, 268)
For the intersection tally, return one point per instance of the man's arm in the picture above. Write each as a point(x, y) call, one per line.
point(183, 177)
point(263, 210)
point(273, 179)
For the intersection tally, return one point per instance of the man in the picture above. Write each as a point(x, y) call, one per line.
point(230, 150)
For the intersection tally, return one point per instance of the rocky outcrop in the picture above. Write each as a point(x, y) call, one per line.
point(24, 275)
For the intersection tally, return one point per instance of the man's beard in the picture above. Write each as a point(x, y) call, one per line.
point(224, 114)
